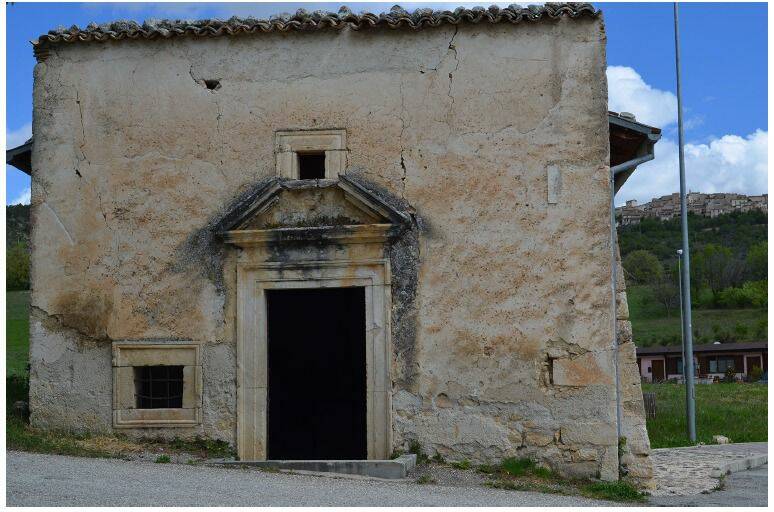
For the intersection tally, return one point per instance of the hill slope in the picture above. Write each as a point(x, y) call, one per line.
point(17, 224)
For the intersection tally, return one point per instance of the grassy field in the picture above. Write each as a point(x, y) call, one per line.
point(737, 411)
point(17, 332)
point(651, 326)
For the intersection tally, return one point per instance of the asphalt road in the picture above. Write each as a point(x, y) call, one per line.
point(54, 480)
point(742, 489)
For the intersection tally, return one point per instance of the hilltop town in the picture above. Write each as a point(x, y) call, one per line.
point(707, 205)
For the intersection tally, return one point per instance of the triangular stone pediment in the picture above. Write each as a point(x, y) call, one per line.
point(311, 208)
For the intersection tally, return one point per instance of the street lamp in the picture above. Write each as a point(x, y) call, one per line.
point(690, 398)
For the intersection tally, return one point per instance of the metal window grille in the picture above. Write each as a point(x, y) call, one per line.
point(159, 387)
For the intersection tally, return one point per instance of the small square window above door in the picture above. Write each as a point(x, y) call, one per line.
point(311, 166)
point(310, 154)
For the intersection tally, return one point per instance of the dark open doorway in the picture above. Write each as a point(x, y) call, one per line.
point(317, 375)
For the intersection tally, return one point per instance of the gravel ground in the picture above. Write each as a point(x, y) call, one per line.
point(448, 476)
point(55, 480)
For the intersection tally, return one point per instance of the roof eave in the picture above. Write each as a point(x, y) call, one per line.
point(622, 131)
point(21, 157)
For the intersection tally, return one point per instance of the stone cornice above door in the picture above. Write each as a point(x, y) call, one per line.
point(337, 211)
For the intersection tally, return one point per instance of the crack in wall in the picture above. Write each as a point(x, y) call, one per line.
point(220, 136)
point(400, 139)
point(56, 322)
point(456, 66)
point(82, 144)
point(59, 221)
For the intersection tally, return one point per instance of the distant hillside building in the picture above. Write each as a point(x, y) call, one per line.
point(707, 205)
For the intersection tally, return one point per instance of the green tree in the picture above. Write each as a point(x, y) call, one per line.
point(714, 266)
point(666, 289)
point(757, 261)
point(17, 270)
point(643, 267)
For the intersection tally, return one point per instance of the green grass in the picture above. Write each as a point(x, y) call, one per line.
point(20, 436)
point(461, 464)
point(614, 491)
point(516, 485)
point(518, 467)
point(738, 411)
point(514, 467)
point(525, 475)
point(17, 332)
point(206, 448)
point(651, 326)
point(425, 479)
point(163, 459)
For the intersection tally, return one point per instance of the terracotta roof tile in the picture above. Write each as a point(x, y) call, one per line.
point(304, 21)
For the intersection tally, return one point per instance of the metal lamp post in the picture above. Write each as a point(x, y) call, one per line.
point(685, 287)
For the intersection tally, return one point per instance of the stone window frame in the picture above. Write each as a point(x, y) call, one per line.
point(288, 143)
point(254, 279)
point(128, 355)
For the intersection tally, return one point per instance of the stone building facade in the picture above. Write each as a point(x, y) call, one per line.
point(429, 191)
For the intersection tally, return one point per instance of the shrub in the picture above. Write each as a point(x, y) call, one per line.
point(730, 375)
point(762, 329)
point(757, 260)
point(758, 292)
point(517, 467)
point(643, 267)
point(17, 387)
point(17, 270)
point(616, 491)
point(703, 298)
point(750, 294)
point(438, 458)
point(755, 374)
point(488, 469)
point(461, 464)
point(163, 459)
point(425, 479)
point(740, 330)
point(416, 449)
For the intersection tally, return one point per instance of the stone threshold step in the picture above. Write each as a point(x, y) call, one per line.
point(389, 469)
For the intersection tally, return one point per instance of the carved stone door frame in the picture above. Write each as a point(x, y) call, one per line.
point(253, 280)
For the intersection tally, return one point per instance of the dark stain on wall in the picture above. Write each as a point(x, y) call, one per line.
point(403, 251)
point(204, 252)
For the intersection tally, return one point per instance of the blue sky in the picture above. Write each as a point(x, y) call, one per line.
point(724, 54)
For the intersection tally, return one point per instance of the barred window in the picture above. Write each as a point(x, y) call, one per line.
point(159, 387)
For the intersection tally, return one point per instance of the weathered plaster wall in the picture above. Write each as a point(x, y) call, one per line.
point(503, 346)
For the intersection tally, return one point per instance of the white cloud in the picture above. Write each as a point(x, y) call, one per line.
point(24, 197)
point(19, 136)
point(728, 164)
point(731, 163)
point(628, 92)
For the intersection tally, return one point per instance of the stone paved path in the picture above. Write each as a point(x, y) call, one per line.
point(689, 471)
point(743, 489)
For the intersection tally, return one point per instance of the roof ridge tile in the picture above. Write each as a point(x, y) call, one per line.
point(306, 21)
